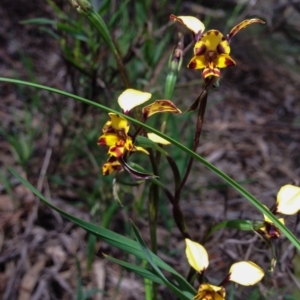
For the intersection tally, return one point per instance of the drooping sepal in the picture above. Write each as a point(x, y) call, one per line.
point(134, 173)
point(160, 106)
point(241, 26)
point(191, 23)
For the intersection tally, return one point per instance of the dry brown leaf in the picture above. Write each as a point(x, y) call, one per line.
point(6, 203)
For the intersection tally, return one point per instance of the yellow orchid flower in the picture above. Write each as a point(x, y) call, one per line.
point(288, 200)
point(211, 51)
point(115, 131)
point(244, 272)
point(269, 229)
point(115, 136)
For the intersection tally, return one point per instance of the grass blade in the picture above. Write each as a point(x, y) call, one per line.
point(284, 230)
point(108, 236)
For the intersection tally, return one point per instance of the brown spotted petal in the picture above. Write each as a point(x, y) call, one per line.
point(160, 106)
point(111, 165)
point(192, 23)
point(211, 70)
point(241, 26)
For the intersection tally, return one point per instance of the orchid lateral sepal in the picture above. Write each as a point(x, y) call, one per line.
point(191, 23)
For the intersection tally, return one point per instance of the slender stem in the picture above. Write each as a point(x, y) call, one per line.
point(225, 280)
point(138, 130)
point(199, 125)
point(153, 205)
point(122, 69)
point(200, 119)
point(100, 25)
point(177, 213)
point(153, 213)
point(147, 284)
point(175, 171)
point(153, 209)
point(179, 220)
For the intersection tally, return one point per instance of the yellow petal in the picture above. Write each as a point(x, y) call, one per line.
point(160, 106)
point(128, 143)
point(281, 220)
point(209, 291)
point(288, 199)
point(107, 169)
point(119, 123)
point(269, 229)
point(108, 139)
point(110, 166)
point(191, 23)
point(246, 273)
point(196, 255)
point(131, 98)
point(116, 151)
point(197, 62)
point(265, 217)
point(107, 127)
point(211, 70)
point(241, 26)
point(212, 39)
point(157, 139)
point(140, 149)
point(224, 61)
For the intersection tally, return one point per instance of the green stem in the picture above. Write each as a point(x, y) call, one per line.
point(199, 124)
point(94, 18)
point(200, 119)
point(97, 21)
point(179, 220)
point(175, 171)
point(153, 214)
point(153, 206)
point(147, 284)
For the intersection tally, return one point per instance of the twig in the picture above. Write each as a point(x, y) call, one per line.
point(32, 217)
